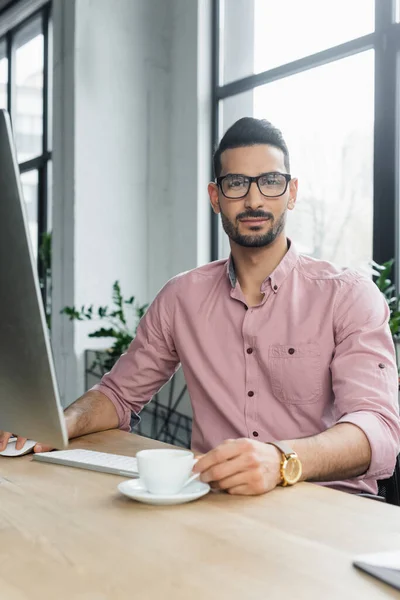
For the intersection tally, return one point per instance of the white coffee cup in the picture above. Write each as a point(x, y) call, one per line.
point(165, 471)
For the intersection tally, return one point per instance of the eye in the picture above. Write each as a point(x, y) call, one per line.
point(272, 179)
point(235, 181)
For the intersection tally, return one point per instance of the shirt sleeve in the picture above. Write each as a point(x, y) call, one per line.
point(364, 373)
point(148, 364)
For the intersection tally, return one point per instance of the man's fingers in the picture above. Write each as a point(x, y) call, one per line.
point(4, 437)
point(239, 464)
point(225, 451)
point(239, 479)
point(20, 443)
point(241, 490)
point(214, 485)
point(42, 448)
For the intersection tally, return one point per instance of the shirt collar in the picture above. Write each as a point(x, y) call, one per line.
point(277, 277)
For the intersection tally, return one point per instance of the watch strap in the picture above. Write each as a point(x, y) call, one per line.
point(283, 447)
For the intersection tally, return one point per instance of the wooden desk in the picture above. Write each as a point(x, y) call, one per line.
point(66, 533)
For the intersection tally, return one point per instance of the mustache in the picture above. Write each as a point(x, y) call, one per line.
point(256, 214)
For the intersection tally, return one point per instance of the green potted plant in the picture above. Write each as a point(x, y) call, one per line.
point(118, 322)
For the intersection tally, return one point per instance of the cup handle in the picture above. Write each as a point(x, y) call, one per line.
point(192, 478)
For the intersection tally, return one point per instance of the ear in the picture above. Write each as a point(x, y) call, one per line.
point(213, 192)
point(293, 189)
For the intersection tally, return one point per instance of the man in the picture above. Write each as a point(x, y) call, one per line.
point(289, 361)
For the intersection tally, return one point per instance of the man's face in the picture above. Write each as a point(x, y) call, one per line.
point(255, 220)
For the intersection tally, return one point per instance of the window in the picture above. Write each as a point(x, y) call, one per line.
point(265, 34)
point(24, 57)
point(330, 139)
point(325, 74)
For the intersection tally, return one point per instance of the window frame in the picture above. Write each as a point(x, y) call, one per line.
point(385, 41)
point(39, 163)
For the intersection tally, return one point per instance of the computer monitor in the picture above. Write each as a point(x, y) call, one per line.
point(29, 399)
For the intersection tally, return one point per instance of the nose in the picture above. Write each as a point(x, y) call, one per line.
point(254, 198)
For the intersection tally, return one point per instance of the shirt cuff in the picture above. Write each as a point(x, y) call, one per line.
point(124, 414)
point(379, 440)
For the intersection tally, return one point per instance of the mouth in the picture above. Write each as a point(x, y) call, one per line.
point(254, 221)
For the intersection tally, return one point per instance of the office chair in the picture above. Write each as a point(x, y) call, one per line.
point(390, 488)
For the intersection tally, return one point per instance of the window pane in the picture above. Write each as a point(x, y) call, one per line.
point(3, 76)
point(28, 106)
point(30, 184)
point(50, 87)
point(237, 39)
point(397, 11)
point(258, 35)
point(49, 196)
point(330, 139)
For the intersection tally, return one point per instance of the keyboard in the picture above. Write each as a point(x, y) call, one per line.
point(126, 466)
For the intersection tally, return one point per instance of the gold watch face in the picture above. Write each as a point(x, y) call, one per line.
point(292, 470)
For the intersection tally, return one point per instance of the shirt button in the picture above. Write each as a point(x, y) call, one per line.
point(249, 350)
point(255, 433)
point(381, 366)
point(251, 393)
point(275, 287)
point(291, 350)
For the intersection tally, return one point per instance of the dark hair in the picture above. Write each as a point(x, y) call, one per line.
point(250, 132)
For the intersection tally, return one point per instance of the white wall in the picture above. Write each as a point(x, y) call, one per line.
point(134, 121)
point(62, 331)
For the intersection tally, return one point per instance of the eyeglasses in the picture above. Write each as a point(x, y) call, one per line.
point(270, 185)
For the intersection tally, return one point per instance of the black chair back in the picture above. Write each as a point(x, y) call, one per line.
point(390, 488)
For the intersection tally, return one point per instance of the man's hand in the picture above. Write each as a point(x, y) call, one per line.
point(242, 466)
point(90, 413)
point(5, 436)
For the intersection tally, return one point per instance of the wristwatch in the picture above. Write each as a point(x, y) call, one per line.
point(290, 466)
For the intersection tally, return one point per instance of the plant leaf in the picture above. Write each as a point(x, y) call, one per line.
point(102, 332)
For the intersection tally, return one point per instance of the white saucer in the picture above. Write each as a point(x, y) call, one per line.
point(135, 489)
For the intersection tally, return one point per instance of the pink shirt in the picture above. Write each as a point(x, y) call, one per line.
point(316, 351)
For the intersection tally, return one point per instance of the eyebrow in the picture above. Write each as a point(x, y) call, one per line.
point(259, 175)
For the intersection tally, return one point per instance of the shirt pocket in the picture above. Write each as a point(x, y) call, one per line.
point(295, 373)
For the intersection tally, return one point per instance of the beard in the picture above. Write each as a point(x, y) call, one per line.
point(255, 240)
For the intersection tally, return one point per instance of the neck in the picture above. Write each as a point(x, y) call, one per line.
point(254, 265)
